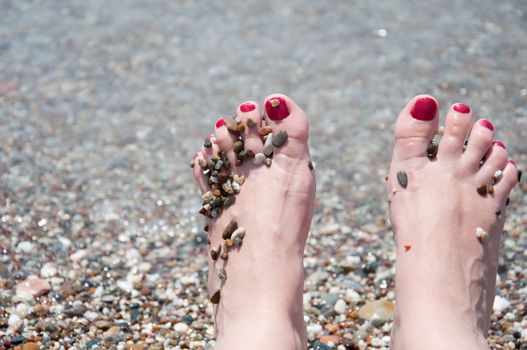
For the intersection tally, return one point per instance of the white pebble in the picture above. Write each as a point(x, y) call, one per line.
point(340, 307)
point(25, 247)
point(500, 304)
point(258, 158)
point(48, 270)
point(22, 310)
point(14, 321)
point(180, 327)
point(268, 145)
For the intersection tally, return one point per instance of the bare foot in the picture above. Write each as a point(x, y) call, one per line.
point(446, 263)
point(260, 304)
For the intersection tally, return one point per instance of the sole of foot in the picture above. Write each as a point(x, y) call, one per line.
point(257, 283)
point(448, 203)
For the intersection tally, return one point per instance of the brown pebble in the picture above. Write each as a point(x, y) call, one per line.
point(229, 243)
point(310, 165)
point(231, 124)
point(431, 150)
point(223, 176)
point(265, 130)
point(490, 189)
point(238, 146)
point(250, 122)
point(482, 190)
point(407, 247)
point(498, 212)
point(191, 163)
point(508, 201)
point(214, 254)
point(206, 228)
point(30, 346)
point(402, 178)
point(224, 255)
point(215, 298)
point(241, 128)
point(250, 154)
point(229, 229)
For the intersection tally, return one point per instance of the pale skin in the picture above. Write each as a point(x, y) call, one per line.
point(261, 300)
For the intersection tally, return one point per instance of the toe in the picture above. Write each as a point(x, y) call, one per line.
point(509, 179)
point(495, 161)
point(283, 114)
point(479, 142)
point(457, 126)
point(415, 128)
point(250, 115)
point(209, 149)
point(225, 139)
point(197, 172)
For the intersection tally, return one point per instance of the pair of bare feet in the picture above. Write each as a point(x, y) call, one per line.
point(446, 274)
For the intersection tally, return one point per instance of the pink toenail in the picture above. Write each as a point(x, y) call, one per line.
point(276, 108)
point(424, 108)
point(499, 143)
point(461, 108)
point(208, 138)
point(487, 124)
point(220, 122)
point(247, 107)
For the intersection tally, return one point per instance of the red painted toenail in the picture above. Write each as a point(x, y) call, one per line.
point(461, 108)
point(499, 143)
point(487, 124)
point(276, 108)
point(425, 109)
point(512, 162)
point(220, 122)
point(247, 107)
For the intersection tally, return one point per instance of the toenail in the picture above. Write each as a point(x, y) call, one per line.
point(276, 108)
point(499, 143)
point(424, 108)
point(247, 107)
point(220, 122)
point(461, 108)
point(487, 124)
point(512, 162)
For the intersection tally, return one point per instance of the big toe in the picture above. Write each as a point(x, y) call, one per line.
point(415, 128)
point(289, 127)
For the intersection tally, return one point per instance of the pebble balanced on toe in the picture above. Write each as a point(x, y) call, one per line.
point(257, 241)
point(447, 208)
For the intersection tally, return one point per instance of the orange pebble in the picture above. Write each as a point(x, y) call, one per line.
point(407, 247)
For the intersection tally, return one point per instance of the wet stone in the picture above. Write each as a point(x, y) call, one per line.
point(402, 178)
point(239, 233)
point(207, 144)
point(432, 148)
point(268, 162)
point(377, 312)
point(229, 229)
point(280, 138)
point(215, 298)
point(482, 235)
point(497, 175)
point(227, 187)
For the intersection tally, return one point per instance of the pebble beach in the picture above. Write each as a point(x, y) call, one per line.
point(103, 104)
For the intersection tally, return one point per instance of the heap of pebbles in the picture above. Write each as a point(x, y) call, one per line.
point(225, 185)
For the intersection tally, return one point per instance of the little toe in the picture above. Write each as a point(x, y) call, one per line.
point(496, 159)
point(510, 178)
point(457, 126)
point(479, 142)
point(197, 171)
point(290, 126)
point(225, 139)
point(209, 149)
point(415, 128)
point(250, 115)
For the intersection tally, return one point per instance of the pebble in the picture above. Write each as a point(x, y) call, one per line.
point(280, 138)
point(229, 229)
point(258, 158)
point(238, 233)
point(265, 130)
point(30, 346)
point(500, 304)
point(432, 149)
point(482, 190)
point(377, 312)
point(25, 247)
point(340, 307)
point(215, 298)
point(268, 145)
point(103, 324)
point(238, 146)
point(32, 287)
point(402, 178)
point(180, 327)
point(481, 234)
point(48, 270)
